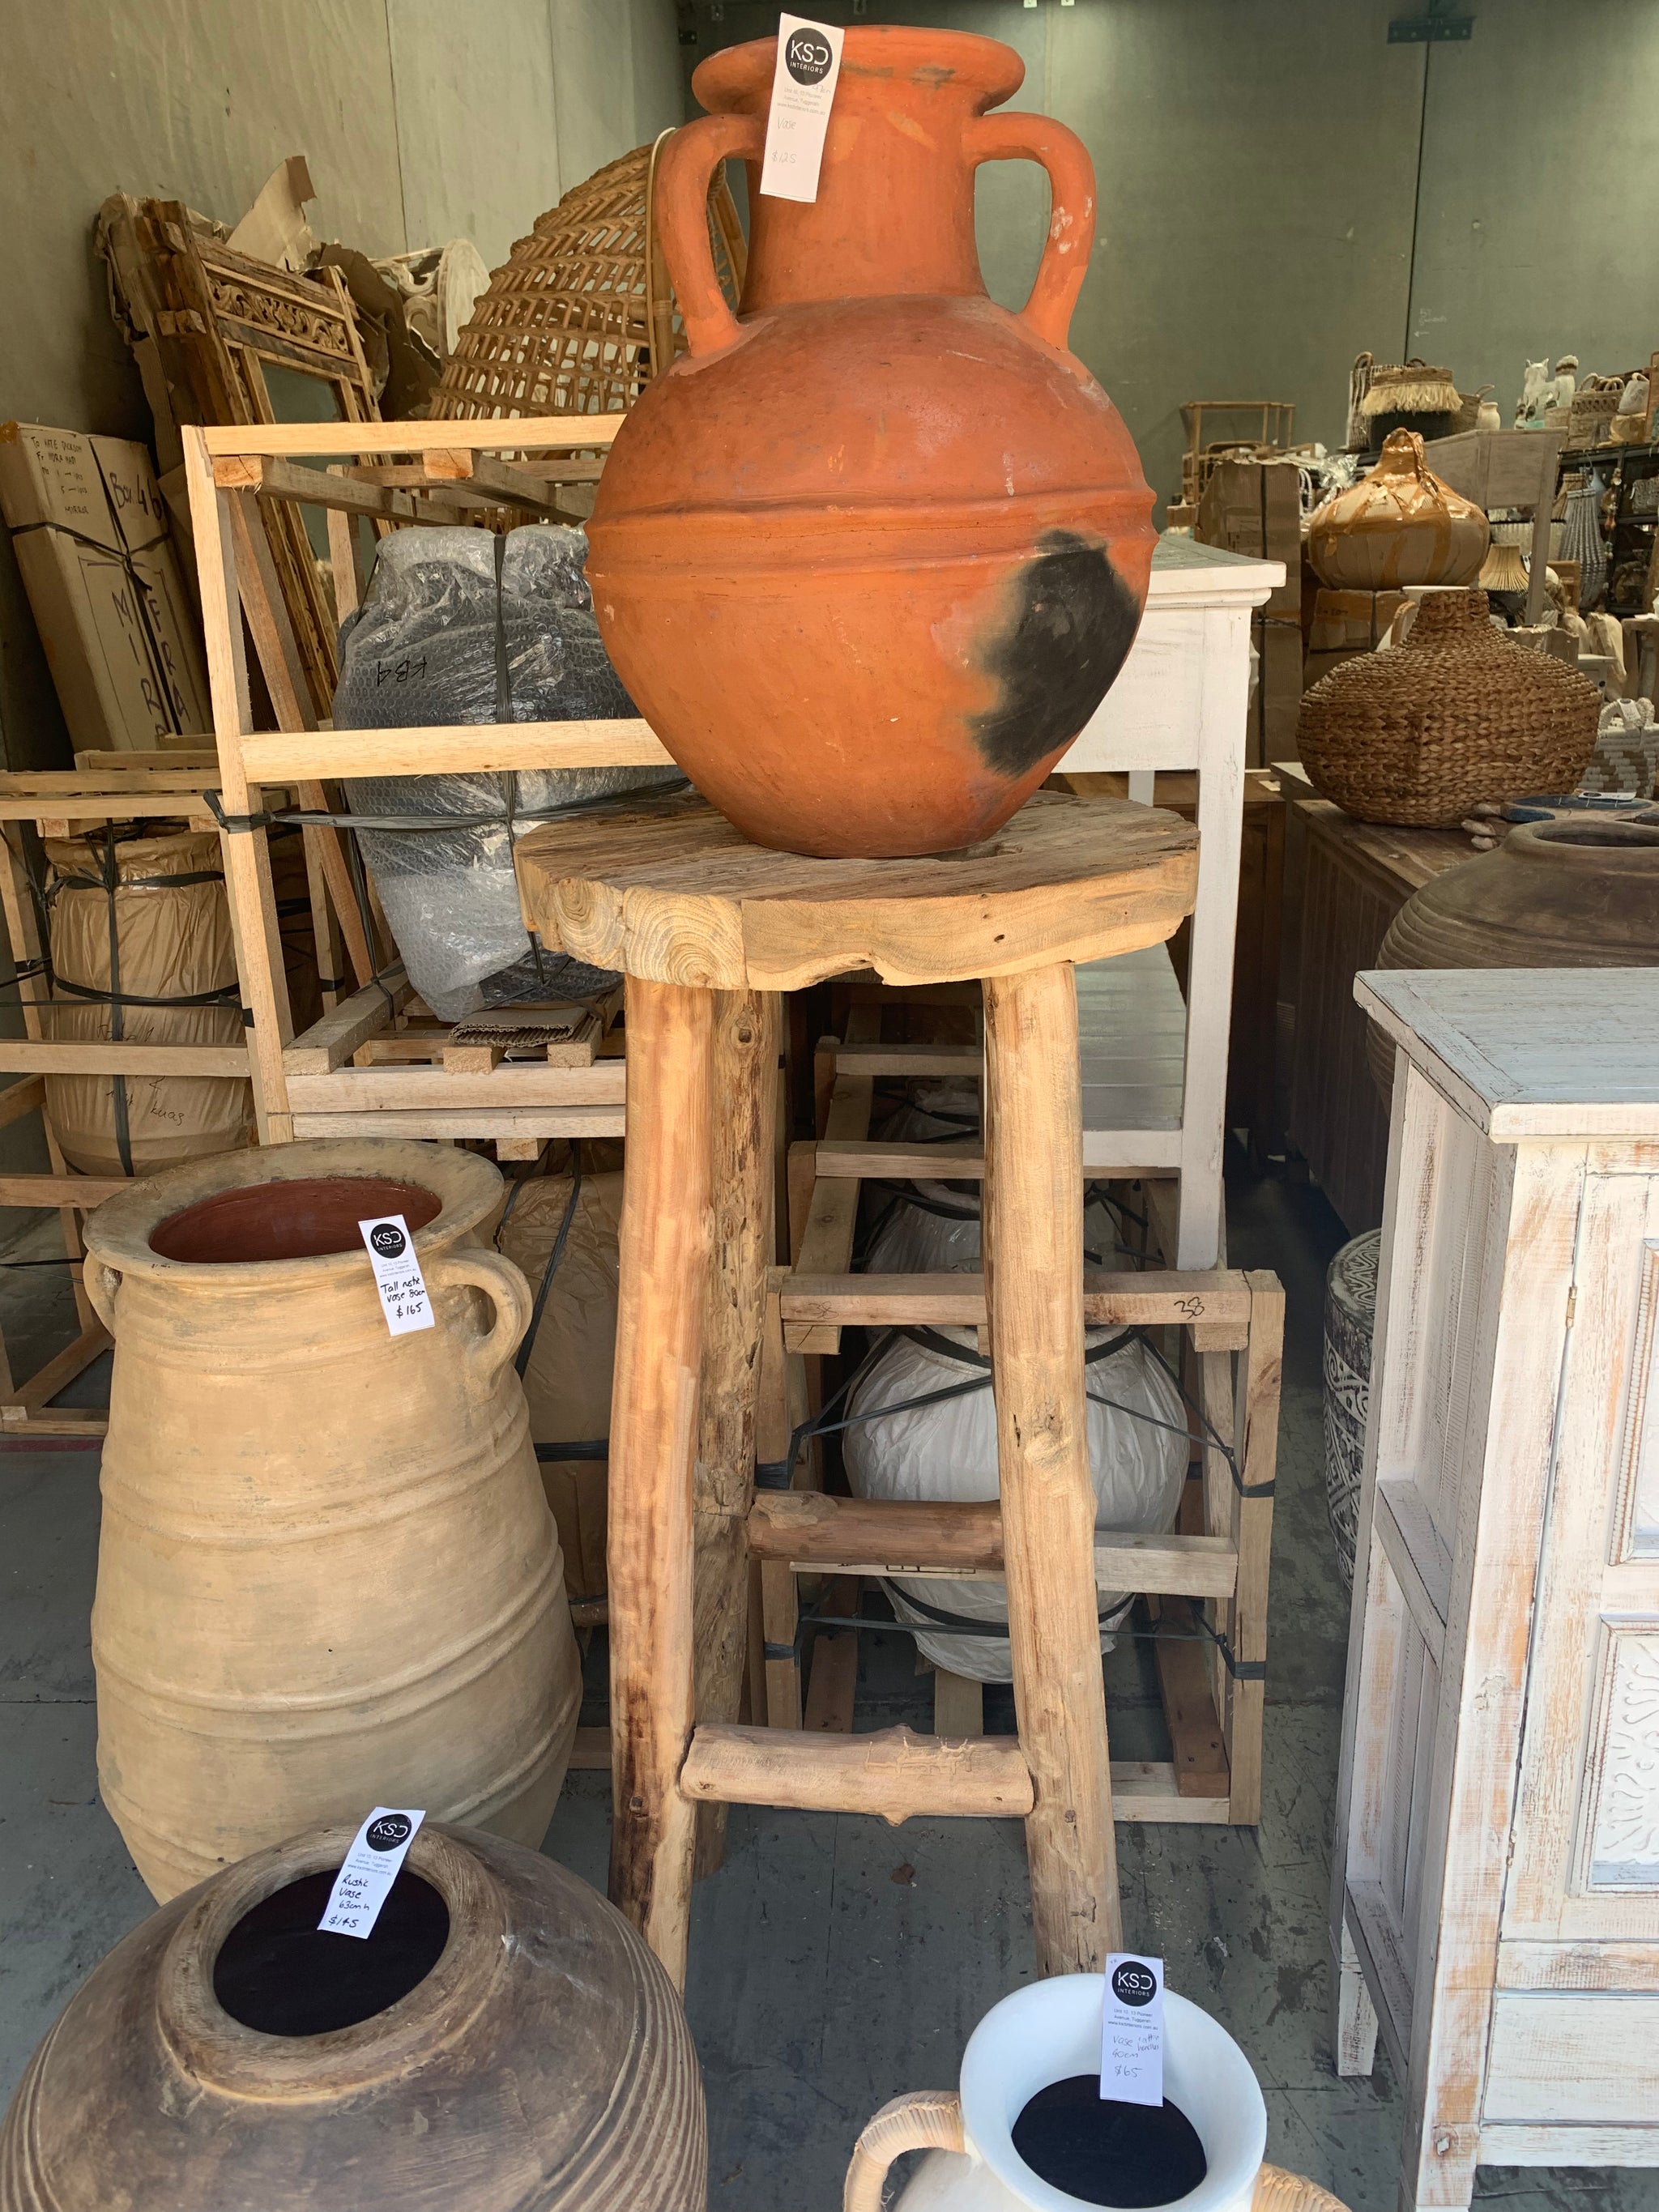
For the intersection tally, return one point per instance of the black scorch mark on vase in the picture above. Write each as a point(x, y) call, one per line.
point(1071, 622)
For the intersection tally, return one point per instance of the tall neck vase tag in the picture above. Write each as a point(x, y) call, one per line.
point(1132, 2030)
point(398, 1274)
point(803, 88)
point(364, 1881)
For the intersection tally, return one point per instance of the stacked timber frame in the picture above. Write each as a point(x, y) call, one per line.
point(1204, 1586)
point(368, 1068)
point(104, 789)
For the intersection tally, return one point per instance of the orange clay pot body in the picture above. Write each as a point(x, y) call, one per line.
point(869, 557)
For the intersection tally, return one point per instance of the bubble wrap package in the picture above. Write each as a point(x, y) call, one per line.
point(466, 626)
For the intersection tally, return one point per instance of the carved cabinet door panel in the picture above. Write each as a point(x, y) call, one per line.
point(1585, 1865)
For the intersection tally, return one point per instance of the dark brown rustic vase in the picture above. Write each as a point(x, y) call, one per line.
point(1552, 895)
point(1455, 716)
point(503, 2042)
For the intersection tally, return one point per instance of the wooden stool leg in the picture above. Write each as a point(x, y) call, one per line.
point(1034, 1289)
point(666, 1235)
point(745, 1089)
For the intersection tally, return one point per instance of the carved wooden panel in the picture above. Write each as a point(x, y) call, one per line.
point(1622, 1778)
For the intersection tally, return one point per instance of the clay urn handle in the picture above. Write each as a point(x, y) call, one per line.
point(503, 1285)
point(679, 200)
point(101, 1283)
point(925, 2120)
point(1016, 137)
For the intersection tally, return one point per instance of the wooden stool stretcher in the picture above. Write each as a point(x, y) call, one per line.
point(674, 897)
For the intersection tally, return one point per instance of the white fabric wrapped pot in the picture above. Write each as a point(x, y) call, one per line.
point(1137, 1449)
point(1137, 1462)
point(1046, 2033)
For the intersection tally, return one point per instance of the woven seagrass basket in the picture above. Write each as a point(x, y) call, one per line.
point(580, 316)
point(1419, 735)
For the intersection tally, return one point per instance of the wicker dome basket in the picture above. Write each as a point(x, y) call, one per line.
point(581, 313)
point(1456, 714)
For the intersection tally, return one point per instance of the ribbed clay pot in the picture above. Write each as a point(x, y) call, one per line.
point(1552, 895)
point(1454, 716)
point(502, 2042)
point(1399, 524)
point(327, 1576)
point(870, 553)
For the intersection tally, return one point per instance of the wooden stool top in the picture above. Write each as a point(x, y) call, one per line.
point(671, 893)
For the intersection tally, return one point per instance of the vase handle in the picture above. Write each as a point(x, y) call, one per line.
point(503, 1285)
point(101, 1284)
point(680, 201)
point(1016, 137)
point(925, 2120)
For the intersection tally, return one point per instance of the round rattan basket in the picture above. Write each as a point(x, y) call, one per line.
point(581, 314)
point(1419, 735)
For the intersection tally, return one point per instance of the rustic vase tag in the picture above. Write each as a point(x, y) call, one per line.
point(803, 87)
point(398, 1274)
point(364, 1882)
point(1132, 2030)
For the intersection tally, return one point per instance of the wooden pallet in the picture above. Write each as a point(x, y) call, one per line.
point(1213, 1570)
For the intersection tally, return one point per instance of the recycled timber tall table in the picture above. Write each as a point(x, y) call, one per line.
point(706, 929)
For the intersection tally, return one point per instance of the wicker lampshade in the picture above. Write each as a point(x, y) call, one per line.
point(581, 314)
point(1504, 569)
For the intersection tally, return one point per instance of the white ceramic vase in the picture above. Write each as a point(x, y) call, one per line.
point(1049, 2032)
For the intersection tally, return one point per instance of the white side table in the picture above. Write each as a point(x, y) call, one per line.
point(1155, 1073)
point(1496, 1881)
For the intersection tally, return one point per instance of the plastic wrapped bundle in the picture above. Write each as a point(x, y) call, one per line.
point(1137, 1444)
point(466, 626)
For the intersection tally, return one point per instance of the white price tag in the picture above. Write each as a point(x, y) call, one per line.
point(398, 1274)
point(1132, 2031)
point(803, 87)
point(364, 1882)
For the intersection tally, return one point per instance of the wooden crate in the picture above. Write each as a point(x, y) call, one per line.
point(322, 1083)
point(1214, 1565)
point(105, 787)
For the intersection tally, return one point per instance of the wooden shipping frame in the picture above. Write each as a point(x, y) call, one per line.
point(104, 787)
point(315, 1085)
point(1210, 1576)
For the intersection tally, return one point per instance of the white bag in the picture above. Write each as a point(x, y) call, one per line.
point(949, 1451)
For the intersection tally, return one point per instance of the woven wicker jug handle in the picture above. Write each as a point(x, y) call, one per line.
point(680, 201)
point(925, 2119)
point(504, 1285)
point(1016, 137)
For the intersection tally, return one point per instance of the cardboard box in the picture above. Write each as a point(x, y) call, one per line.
point(1255, 507)
point(1277, 701)
point(90, 532)
point(1347, 623)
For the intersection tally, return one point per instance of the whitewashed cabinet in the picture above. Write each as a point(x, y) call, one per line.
point(1495, 1904)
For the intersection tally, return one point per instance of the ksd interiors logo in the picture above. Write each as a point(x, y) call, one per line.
point(394, 1828)
point(388, 1240)
point(1134, 1984)
point(807, 56)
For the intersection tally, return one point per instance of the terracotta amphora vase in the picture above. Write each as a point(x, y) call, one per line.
point(869, 554)
point(327, 1574)
point(1554, 895)
point(502, 2041)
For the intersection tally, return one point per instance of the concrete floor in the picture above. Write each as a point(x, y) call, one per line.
point(835, 1961)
